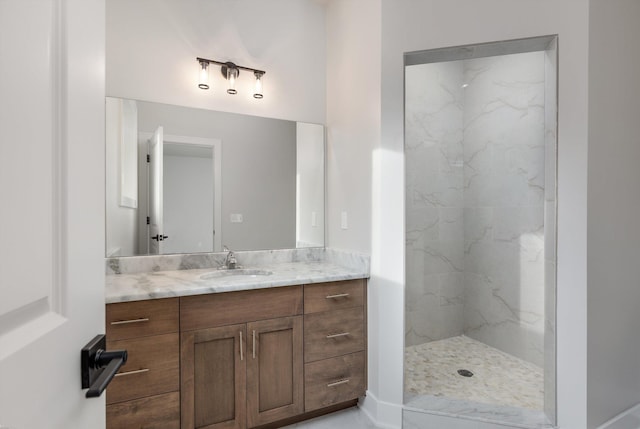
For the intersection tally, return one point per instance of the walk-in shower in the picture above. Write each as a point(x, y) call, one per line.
point(480, 162)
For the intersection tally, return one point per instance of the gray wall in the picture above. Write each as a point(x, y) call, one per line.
point(614, 206)
point(310, 185)
point(258, 170)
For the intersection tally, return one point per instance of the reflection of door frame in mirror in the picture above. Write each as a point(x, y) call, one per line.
point(216, 145)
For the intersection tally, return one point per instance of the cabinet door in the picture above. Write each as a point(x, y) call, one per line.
point(213, 381)
point(274, 370)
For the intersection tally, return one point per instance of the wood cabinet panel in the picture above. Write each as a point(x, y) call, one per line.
point(333, 296)
point(214, 378)
point(333, 333)
point(141, 318)
point(275, 382)
point(154, 412)
point(335, 380)
point(218, 309)
point(153, 366)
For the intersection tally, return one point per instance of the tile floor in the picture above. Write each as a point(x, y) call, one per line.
point(499, 378)
point(351, 418)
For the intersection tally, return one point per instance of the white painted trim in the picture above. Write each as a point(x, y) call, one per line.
point(629, 419)
point(216, 144)
point(383, 414)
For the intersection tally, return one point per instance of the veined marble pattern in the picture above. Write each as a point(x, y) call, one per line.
point(434, 198)
point(191, 261)
point(504, 173)
point(166, 284)
point(475, 196)
point(499, 378)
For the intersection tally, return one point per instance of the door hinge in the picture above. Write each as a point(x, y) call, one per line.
point(148, 220)
point(148, 158)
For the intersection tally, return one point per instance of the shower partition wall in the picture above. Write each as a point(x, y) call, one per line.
point(480, 226)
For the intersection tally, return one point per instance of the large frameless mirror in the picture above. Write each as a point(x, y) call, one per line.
point(186, 180)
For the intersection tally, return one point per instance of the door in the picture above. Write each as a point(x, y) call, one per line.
point(274, 370)
point(213, 369)
point(52, 217)
point(156, 154)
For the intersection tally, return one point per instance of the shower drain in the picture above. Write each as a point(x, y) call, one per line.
point(465, 373)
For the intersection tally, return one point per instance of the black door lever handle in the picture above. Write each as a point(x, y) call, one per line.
point(99, 366)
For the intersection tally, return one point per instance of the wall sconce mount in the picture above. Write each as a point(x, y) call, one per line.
point(230, 71)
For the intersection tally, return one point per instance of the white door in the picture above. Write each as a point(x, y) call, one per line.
point(156, 152)
point(51, 209)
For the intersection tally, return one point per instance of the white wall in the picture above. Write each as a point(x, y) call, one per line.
point(353, 140)
point(614, 204)
point(411, 26)
point(152, 47)
point(310, 178)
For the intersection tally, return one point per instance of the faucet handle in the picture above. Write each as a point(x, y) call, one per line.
point(225, 248)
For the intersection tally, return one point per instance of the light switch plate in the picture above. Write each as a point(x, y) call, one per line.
point(236, 218)
point(343, 221)
point(314, 219)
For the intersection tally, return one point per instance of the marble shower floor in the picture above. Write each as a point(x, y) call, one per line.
point(499, 379)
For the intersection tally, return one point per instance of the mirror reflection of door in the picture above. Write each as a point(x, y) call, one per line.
point(155, 216)
point(188, 194)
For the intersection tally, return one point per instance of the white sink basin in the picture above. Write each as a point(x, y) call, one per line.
point(238, 272)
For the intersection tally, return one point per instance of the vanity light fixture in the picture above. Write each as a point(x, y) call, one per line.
point(230, 71)
point(204, 75)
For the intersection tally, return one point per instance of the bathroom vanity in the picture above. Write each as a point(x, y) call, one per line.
point(242, 351)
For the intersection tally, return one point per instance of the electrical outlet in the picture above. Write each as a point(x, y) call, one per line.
point(314, 219)
point(236, 218)
point(343, 221)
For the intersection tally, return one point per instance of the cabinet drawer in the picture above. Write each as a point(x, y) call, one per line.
point(154, 412)
point(228, 308)
point(333, 296)
point(333, 333)
point(332, 381)
point(152, 367)
point(142, 318)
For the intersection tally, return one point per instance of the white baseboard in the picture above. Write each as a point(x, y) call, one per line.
point(629, 419)
point(383, 414)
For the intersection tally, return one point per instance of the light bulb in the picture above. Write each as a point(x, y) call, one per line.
point(257, 93)
point(232, 74)
point(204, 75)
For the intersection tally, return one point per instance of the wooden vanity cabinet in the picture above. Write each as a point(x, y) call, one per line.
point(242, 358)
point(145, 393)
point(334, 343)
point(238, 360)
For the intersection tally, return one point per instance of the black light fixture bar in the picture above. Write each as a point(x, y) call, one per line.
point(228, 63)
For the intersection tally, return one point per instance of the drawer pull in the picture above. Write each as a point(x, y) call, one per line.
point(339, 295)
point(343, 334)
point(137, 371)
point(338, 383)
point(241, 355)
point(126, 322)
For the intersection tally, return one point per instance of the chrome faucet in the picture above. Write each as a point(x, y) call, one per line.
point(230, 261)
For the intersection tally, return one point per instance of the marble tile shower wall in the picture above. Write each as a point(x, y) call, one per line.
point(434, 202)
point(475, 202)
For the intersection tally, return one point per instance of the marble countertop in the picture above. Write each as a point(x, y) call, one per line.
point(166, 284)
